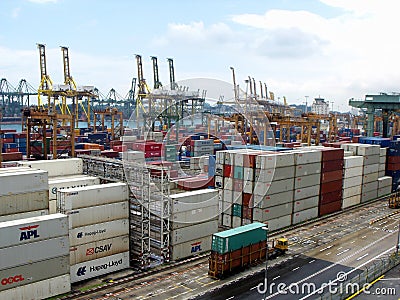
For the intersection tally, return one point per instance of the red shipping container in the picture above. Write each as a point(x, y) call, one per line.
point(247, 213)
point(238, 185)
point(393, 167)
point(12, 156)
point(329, 208)
point(247, 199)
point(393, 159)
point(332, 165)
point(120, 148)
point(331, 176)
point(249, 160)
point(228, 171)
point(332, 186)
point(332, 154)
point(331, 197)
point(115, 143)
point(12, 150)
point(152, 154)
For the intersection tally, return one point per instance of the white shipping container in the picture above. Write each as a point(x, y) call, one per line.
point(279, 223)
point(69, 182)
point(381, 173)
point(92, 195)
point(269, 213)
point(133, 156)
point(98, 249)
point(237, 197)
point(23, 182)
point(24, 215)
point(368, 169)
point(198, 215)
point(348, 153)
point(34, 272)
point(308, 169)
point(57, 167)
point(248, 186)
point(370, 177)
point(26, 202)
point(368, 196)
point(228, 183)
point(193, 200)
point(227, 220)
point(352, 191)
point(36, 251)
point(268, 175)
point(353, 161)
point(351, 201)
point(16, 169)
point(382, 167)
point(384, 181)
point(368, 150)
point(307, 157)
point(39, 290)
point(227, 196)
point(353, 172)
point(382, 160)
point(383, 191)
point(264, 201)
point(371, 159)
point(236, 221)
point(370, 186)
point(98, 214)
point(97, 232)
point(352, 181)
point(273, 187)
point(304, 215)
point(306, 192)
point(191, 248)
point(278, 160)
point(189, 233)
point(220, 157)
point(33, 229)
point(248, 174)
point(382, 152)
point(305, 203)
point(306, 181)
point(100, 266)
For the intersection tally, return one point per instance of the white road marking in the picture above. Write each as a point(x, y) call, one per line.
point(275, 277)
point(326, 248)
point(344, 251)
point(361, 257)
point(230, 298)
point(328, 253)
point(363, 237)
point(339, 248)
point(352, 242)
point(296, 269)
point(311, 261)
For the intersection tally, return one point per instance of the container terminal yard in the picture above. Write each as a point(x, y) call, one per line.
point(163, 196)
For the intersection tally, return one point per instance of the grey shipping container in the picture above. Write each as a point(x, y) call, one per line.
point(370, 177)
point(352, 181)
point(264, 214)
point(189, 233)
point(305, 215)
point(29, 214)
point(190, 248)
point(23, 182)
point(368, 196)
point(351, 201)
point(370, 186)
point(274, 187)
point(25, 202)
point(268, 175)
point(306, 181)
point(278, 223)
point(308, 169)
point(305, 203)
point(264, 201)
point(195, 216)
point(368, 169)
point(57, 167)
point(306, 192)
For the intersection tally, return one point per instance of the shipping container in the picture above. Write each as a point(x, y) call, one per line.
point(23, 182)
point(264, 214)
point(306, 192)
point(189, 233)
point(382, 152)
point(276, 160)
point(383, 191)
point(100, 266)
point(34, 272)
point(199, 215)
point(368, 169)
point(352, 181)
point(25, 202)
point(351, 191)
point(331, 165)
point(330, 208)
point(268, 175)
point(329, 154)
point(368, 196)
point(369, 150)
point(92, 195)
point(57, 167)
point(333, 196)
point(308, 169)
point(39, 290)
point(190, 248)
point(227, 195)
point(97, 232)
point(98, 249)
point(236, 221)
point(226, 220)
point(307, 157)
point(331, 176)
point(305, 203)
point(36, 251)
point(33, 229)
point(304, 215)
point(98, 214)
point(370, 186)
point(370, 177)
point(24, 215)
point(16, 169)
point(351, 201)
point(371, 159)
point(274, 187)
point(264, 201)
point(353, 161)
point(191, 200)
point(332, 186)
point(384, 181)
point(353, 172)
point(279, 223)
point(57, 183)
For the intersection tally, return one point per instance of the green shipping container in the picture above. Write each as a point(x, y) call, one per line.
point(236, 210)
point(236, 238)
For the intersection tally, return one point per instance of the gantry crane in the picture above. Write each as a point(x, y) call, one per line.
point(157, 83)
point(46, 84)
point(171, 73)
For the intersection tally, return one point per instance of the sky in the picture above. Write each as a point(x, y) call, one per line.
point(302, 49)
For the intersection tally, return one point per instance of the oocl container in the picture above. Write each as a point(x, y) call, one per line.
point(57, 167)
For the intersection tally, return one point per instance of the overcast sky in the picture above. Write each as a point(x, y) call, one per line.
point(335, 49)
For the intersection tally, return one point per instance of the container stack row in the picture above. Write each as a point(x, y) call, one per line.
point(352, 180)
point(393, 164)
point(35, 257)
point(98, 218)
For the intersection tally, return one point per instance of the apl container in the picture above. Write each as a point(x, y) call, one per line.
point(190, 248)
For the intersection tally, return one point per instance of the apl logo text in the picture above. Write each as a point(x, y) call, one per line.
point(29, 232)
point(196, 247)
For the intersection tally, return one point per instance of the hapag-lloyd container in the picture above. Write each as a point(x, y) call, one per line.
point(186, 234)
point(306, 203)
point(30, 214)
point(190, 248)
point(98, 249)
point(308, 169)
point(57, 167)
point(36, 251)
point(193, 200)
point(351, 201)
point(306, 192)
point(33, 229)
point(23, 182)
point(57, 183)
point(99, 231)
point(26, 202)
point(39, 290)
point(273, 212)
point(278, 223)
point(33, 272)
point(195, 216)
point(92, 195)
point(98, 214)
point(304, 215)
point(100, 266)
point(307, 157)
point(352, 181)
point(353, 161)
point(306, 181)
point(264, 201)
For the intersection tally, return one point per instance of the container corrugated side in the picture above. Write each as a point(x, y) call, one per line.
point(194, 216)
point(57, 167)
point(264, 214)
point(368, 196)
point(100, 266)
point(383, 191)
point(274, 187)
point(352, 172)
point(370, 177)
point(276, 160)
point(306, 192)
point(98, 249)
point(268, 175)
point(384, 181)
point(305, 203)
point(278, 223)
point(97, 232)
point(40, 290)
point(351, 201)
point(26, 202)
point(189, 233)
point(352, 191)
point(352, 181)
point(23, 182)
point(368, 169)
point(307, 157)
point(36, 251)
point(98, 214)
point(193, 200)
point(92, 195)
point(308, 169)
point(370, 186)
point(353, 161)
point(67, 183)
point(24, 215)
point(261, 201)
point(304, 215)
point(34, 272)
point(190, 248)
point(33, 229)
point(306, 181)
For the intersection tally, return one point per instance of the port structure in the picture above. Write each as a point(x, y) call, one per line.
point(13, 99)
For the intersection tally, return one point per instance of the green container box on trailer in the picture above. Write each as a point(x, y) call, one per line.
point(236, 238)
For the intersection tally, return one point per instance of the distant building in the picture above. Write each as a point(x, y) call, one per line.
point(320, 107)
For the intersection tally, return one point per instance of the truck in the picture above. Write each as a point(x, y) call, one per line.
point(235, 249)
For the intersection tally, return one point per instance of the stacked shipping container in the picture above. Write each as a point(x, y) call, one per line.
point(352, 180)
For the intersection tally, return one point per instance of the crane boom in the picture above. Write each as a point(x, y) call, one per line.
point(141, 80)
point(44, 85)
point(171, 73)
point(157, 83)
point(235, 91)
